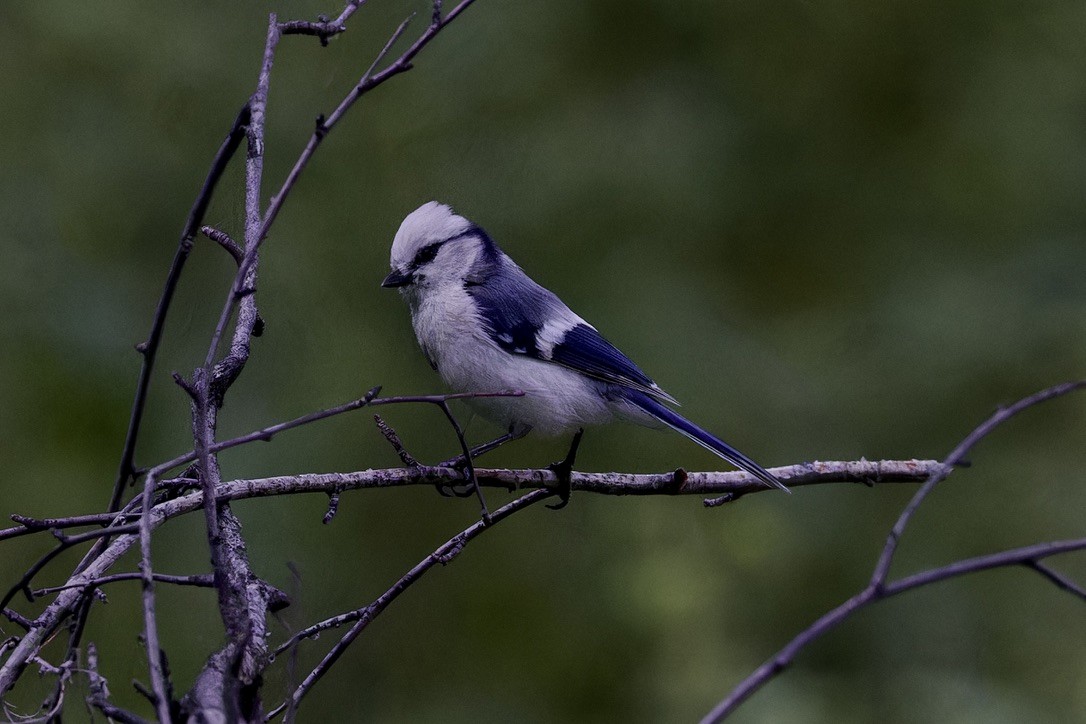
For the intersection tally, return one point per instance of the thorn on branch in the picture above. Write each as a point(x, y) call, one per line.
point(223, 239)
point(17, 618)
point(394, 440)
point(320, 130)
point(722, 500)
point(28, 522)
point(238, 254)
point(333, 507)
point(184, 384)
point(141, 347)
point(445, 556)
point(143, 691)
point(44, 667)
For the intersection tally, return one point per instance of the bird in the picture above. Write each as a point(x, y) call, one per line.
point(485, 325)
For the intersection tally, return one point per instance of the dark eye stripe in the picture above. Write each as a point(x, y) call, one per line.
point(426, 254)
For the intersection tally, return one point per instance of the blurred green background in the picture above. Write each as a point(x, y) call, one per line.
point(834, 229)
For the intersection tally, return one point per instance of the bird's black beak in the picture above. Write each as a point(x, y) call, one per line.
point(397, 279)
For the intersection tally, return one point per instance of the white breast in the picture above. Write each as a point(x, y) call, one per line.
point(556, 399)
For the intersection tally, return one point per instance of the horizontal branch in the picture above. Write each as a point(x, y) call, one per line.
point(673, 483)
point(678, 482)
point(200, 581)
point(267, 433)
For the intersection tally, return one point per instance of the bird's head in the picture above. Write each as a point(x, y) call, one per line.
point(434, 246)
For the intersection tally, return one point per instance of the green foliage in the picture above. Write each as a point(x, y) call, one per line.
point(833, 229)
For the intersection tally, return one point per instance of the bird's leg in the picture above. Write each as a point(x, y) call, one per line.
point(460, 462)
point(563, 470)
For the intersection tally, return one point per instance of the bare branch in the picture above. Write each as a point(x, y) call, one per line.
point(878, 589)
point(323, 29)
point(707, 483)
point(369, 399)
point(207, 388)
point(29, 525)
point(466, 452)
point(443, 555)
point(223, 239)
point(394, 440)
point(98, 692)
point(66, 542)
point(149, 348)
point(695, 483)
point(368, 82)
point(1058, 579)
point(242, 597)
point(201, 581)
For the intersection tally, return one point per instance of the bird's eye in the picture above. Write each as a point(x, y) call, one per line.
point(426, 254)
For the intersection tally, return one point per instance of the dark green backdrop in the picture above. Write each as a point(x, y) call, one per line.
point(835, 229)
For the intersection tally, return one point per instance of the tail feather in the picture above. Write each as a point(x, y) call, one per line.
point(707, 440)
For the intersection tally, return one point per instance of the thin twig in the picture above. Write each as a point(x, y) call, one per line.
point(708, 483)
point(323, 29)
point(956, 457)
point(150, 624)
point(149, 348)
point(224, 373)
point(394, 440)
point(199, 580)
point(29, 525)
point(98, 692)
point(233, 577)
point(37, 525)
point(465, 450)
point(323, 127)
point(1058, 579)
point(223, 239)
point(368, 82)
point(267, 433)
point(443, 555)
point(878, 588)
point(65, 542)
point(17, 618)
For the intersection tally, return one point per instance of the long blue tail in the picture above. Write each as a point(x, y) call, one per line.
point(707, 440)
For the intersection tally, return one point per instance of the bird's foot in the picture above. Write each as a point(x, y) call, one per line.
point(563, 471)
point(455, 490)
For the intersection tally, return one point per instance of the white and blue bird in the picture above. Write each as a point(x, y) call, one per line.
point(486, 326)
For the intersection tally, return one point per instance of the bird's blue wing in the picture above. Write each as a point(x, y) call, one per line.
point(523, 317)
point(512, 308)
point(584, 349)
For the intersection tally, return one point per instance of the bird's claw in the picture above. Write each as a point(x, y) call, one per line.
point(563, 471)
point(455, 490)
